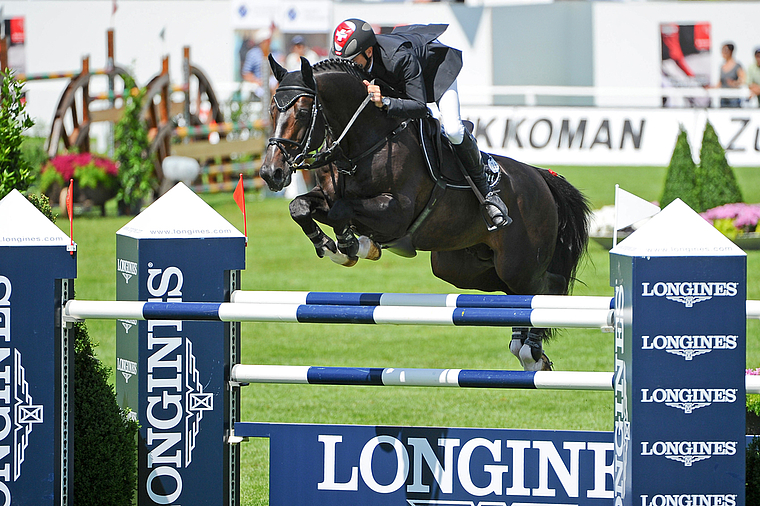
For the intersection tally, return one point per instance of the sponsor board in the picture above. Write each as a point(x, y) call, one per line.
point(605, 136)
point(338, 465)
point(680, 317)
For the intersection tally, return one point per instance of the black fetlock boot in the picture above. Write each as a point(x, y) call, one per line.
point(469, 155)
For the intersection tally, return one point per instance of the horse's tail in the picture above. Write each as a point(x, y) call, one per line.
point(572, 231)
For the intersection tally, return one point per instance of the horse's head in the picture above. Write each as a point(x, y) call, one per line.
point(316, 107)
point(298, 126)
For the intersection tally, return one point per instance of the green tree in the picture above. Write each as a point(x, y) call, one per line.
point(681, 179)
point(753, 472)
point(105, 440)
point(132, 148)
point(15, 170)
point(717, 182)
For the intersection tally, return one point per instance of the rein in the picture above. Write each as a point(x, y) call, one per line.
point(324, 155)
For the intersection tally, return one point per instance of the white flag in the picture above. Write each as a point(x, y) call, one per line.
point(629, 209)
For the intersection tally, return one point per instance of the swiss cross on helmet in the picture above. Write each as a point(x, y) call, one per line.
point(351, 38)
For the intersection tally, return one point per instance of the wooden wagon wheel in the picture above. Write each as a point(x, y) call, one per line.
point(156, 112)
point(200, 91)
point(71, 121)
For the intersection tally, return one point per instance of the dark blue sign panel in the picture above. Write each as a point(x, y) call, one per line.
point(341, 464)
point(31, 378)
point(679, 384)
point(172, 374)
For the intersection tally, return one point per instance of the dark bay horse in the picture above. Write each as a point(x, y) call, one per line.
point(373, 182)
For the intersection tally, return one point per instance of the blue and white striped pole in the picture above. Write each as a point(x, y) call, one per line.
point(439, 300)
point(423, 299)
point(304, 313)
point(464, 378)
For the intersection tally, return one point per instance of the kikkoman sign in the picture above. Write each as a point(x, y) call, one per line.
point(606, 136)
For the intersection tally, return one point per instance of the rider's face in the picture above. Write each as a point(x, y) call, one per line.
point(360, 59)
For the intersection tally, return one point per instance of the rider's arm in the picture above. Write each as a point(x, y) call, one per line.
point(413, 104)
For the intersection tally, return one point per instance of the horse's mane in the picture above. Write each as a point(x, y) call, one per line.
point(344, 66)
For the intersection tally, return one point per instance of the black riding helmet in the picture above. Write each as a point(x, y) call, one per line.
point(351, 38)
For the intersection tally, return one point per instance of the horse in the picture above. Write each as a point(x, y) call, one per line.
point(374, 182)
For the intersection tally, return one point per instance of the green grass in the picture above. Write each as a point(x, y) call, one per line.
point(279, 257)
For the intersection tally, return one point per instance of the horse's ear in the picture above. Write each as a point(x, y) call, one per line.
point(307, 73)
point(277, 69)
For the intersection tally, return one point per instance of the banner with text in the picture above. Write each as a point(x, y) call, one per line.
point(602, 136)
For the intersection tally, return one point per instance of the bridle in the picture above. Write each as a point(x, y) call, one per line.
point(299, 161)
point(323, 155)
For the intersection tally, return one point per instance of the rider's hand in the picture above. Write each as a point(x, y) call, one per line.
point(374, 93)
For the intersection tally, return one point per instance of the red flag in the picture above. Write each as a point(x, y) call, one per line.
point(239, 196)
point(70, 211)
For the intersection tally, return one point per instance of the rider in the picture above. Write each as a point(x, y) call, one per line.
point(413, 61)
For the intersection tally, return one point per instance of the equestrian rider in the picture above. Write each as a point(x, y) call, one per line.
point(412, 61)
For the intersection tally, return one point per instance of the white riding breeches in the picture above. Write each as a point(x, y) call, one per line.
point(450, 116)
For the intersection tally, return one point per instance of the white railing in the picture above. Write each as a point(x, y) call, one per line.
point(606, 96)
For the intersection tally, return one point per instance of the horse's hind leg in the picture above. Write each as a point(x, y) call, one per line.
point(527, 346)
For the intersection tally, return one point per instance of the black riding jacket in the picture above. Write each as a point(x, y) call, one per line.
point(417, 67)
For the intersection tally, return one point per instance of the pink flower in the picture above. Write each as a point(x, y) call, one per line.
point(744, 216)
point(65, 165)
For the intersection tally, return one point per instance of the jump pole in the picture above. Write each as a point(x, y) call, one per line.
point(37, 271)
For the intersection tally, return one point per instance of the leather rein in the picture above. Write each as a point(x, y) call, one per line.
point(312, 159)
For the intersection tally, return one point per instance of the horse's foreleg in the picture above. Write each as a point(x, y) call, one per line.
point(303, 209)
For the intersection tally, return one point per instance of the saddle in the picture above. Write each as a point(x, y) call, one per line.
point(443, 163)
point(446, 170)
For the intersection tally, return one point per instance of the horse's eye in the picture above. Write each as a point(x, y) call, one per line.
point(303, 113)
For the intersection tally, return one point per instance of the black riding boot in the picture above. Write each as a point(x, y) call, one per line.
point(469, 155)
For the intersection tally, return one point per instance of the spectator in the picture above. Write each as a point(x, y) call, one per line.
point(293, 60)
point(731, 75)
point(254, 66)
point(753, 77)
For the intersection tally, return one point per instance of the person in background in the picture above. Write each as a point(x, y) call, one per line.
point(293, 60)
point(731, 75)
point(753, 77)
point(253, 69)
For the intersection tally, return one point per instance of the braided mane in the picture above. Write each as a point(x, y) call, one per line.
point(339, 65)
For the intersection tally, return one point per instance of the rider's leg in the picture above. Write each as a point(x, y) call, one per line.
point(466, 148)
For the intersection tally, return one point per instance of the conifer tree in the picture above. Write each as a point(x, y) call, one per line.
point(717, 182)
point(681, 180)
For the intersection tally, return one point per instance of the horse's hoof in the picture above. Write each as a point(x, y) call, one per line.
point(368, 248)
point(342, 259)
point(350, 262)
point(514, 347)
point(547, 364)
point(529, 363)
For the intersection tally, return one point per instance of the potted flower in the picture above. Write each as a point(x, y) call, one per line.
point(738, 222)
point(95, 179)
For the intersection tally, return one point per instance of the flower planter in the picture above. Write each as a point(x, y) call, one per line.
point(95, 180)
point(86, 197)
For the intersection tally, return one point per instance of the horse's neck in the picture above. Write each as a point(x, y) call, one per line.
point(341, 96)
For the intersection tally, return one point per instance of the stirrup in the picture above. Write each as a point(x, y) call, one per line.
point(503, 212)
